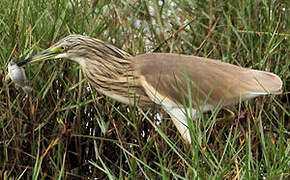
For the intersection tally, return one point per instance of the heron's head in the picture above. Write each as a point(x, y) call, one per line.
point(78, 48)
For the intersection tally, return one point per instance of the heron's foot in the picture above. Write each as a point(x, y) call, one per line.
point(228, 117)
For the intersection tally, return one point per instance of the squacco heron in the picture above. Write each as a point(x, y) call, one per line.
point(172, 81)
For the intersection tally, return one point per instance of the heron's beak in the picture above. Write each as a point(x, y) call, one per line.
point(43, 55)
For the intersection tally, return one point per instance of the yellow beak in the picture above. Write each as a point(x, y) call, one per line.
point(43, 55)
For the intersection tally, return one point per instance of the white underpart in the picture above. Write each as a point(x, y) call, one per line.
point(79, 60)
point(63, 55)
point(251, 95)
point(180, 119)
point(179, 115)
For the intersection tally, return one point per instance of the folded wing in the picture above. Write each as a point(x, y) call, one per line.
point(205, 81)
point(175, 81)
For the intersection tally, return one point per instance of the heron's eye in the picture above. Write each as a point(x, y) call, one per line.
point(62, 48)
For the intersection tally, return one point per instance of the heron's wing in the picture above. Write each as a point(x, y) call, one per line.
point(204, 81)
point(174, 81)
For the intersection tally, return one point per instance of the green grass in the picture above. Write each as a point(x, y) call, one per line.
point(94, 136)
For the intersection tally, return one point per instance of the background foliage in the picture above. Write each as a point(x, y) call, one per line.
point(64, 129)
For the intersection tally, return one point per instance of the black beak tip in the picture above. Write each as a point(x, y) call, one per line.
point(25, 61)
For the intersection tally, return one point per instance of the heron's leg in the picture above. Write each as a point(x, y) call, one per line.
point(180, 119)
point(228, 117)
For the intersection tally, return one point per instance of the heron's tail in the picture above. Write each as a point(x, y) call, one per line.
point(266, 83)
